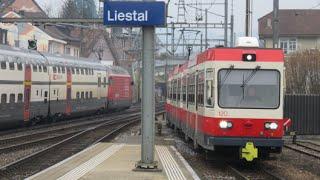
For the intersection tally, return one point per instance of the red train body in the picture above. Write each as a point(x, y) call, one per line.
point(230, 97)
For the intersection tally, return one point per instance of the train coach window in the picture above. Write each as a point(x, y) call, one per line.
point(63, 69)
point(11, 65)
point(82, 95)
point(54, 69)
point(91, 95)
point(45, 69)
point(82, 71)
point(78, 95)
point(40, 68)
point(19, 66)
point(72, 70)
point(104, 82)
point(12, 98)
point(87, 95)
point(20, 97)
point(3, 98)
point(59, 69)
point(77, 70)
point(35, 68)
point(209, 88)
point(3, 65)
point(86, 70)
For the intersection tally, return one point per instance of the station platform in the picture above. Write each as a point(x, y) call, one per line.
point(116, 161)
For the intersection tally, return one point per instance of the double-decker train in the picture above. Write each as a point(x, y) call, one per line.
point(231, 97)
point(35, 86)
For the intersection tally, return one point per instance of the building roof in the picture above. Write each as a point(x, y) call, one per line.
point(292, 22)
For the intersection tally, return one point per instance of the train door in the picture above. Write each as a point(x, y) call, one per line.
point(27, 92)
point(68, 96)
point(99, 86)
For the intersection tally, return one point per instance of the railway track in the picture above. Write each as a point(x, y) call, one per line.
point(21, 131)
point(305, 147)
point(256, 172)
point(66, 147)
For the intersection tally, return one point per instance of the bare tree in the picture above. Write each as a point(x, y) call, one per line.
point(303, 72)
point(69, 10)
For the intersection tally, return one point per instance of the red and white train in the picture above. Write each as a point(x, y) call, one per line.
point(34, 86)
point(231, 97)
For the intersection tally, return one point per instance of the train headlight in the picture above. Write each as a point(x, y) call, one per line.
point(225, 124)
point(271, 125)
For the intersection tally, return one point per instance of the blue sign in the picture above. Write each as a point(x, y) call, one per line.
point(142, 13)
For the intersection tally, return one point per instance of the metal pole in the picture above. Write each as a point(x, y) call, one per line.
point(148, 101)
point(226, 23)
point(172, 41)
point(166, 63)
point(247, 17)
point(206, 29)
point(275, 24)
point(201, 39)
point(232, 32)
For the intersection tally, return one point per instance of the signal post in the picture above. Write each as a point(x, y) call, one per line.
point(146, 14)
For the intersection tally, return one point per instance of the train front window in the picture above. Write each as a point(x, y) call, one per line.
point(249, 89)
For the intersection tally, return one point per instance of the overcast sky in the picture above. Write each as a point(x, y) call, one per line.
point(260, 8)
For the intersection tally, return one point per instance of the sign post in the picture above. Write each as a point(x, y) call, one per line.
point(146, 14)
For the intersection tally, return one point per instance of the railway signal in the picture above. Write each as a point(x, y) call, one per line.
point(32, 44)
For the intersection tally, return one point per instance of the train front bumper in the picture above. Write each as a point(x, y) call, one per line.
point(233, 141)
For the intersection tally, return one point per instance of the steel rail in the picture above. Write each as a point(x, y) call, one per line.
point(302, 151)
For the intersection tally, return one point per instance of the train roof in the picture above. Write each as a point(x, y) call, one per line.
point(236, 54)
point(231, 54)
point(13, 54)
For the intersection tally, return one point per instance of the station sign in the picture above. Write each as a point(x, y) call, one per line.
point(134, 13)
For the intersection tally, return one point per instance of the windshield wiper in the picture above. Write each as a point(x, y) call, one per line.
point(246, 81)
point(226, 76)
point(253, 73)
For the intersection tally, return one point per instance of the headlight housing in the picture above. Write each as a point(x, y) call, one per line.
point(224, 124)
point(271, 125)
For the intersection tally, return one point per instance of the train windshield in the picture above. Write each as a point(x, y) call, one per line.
point(249, 89)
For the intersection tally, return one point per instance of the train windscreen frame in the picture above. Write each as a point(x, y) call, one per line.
point(249, 88)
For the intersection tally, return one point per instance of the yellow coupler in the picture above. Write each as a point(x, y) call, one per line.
point(249, 152)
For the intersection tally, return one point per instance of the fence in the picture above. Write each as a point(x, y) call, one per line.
point(304, 110)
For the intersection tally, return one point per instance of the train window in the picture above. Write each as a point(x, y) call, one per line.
point(78, 95)
point(12, 98)
point(19, 66)
point(82, 95)
point(54, 92)
point(35, 68)
point(3, 98)
point(3, 65)
point(45, 69)
point(200, 89)
point(59, 69)
point(86, 70)
point(37, 92)
point(11, 65)
point(184, 89)
point(82, 71)
point(179, 90)
point(77, 70)
point(72, 70)
point(63, 69)
point(20, 97)
point(40, 68)
point(191, 89)
point(54, 69)
point(209, 88)
point(87, 95)
point(104, 82)
point(91, 95)
point(92, 72)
